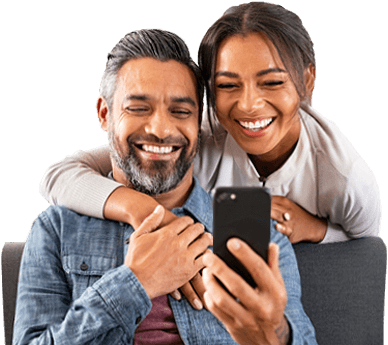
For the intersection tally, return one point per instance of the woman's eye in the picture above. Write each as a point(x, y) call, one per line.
point(226, 86)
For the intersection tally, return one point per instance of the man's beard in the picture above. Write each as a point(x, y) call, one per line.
point(154, 177)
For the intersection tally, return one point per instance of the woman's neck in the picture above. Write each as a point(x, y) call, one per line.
point(270, 162)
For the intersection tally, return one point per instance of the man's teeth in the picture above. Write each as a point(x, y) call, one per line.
point(157, 149)
point(257, 125)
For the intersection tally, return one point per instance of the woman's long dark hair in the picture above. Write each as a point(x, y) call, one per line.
point(282, 27)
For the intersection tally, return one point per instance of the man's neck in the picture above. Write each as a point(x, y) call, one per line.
point(177, 196)
point(169, 200)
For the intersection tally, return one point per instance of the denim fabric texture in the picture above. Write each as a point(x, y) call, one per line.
point(75, 289)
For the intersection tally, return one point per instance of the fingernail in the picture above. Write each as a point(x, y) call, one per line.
point(197, 304)
point(286, 216)
point(158, 209)
point(176, 295)
point(234, 243)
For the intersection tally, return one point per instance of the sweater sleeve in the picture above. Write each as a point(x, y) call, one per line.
point(355, 212)
point(79, 183)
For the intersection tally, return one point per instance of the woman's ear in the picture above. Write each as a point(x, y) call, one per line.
point(309, 82)
point(103, 113)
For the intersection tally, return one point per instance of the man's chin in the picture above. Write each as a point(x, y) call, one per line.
point(154, 168)
point(153, 176)
point(154, 184)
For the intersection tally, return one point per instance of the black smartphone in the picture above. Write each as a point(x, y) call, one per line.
point(244, 213)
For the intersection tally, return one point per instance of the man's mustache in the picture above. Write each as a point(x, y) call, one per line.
point(136, 139)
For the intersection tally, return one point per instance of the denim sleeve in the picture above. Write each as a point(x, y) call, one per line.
point(301, 327)
point(106, 313)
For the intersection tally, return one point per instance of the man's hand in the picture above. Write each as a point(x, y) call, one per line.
point(165, 259)
point(132, 207)
point(295, 222)
point(194, 291)
point(251, 316)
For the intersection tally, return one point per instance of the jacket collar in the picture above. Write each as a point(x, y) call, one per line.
point(199, 206)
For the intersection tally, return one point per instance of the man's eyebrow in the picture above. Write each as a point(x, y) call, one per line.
point(141, 97)
point(184, 99)
point(258, 74)
point(176, 99)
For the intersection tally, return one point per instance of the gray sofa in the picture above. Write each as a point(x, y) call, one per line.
point(343, 286)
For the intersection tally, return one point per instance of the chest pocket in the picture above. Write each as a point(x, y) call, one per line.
point(83, 271)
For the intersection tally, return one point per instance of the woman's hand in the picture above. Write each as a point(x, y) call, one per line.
point(295, 222)
point(251, 316)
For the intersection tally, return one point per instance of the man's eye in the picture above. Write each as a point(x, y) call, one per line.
point(273, 82)
point(181, 112)
point(137, 109)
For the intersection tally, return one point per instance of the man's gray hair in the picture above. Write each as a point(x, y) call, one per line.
point(158, 44)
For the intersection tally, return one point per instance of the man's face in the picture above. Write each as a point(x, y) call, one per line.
point(153, 124)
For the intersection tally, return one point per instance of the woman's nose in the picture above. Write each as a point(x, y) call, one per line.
point(251, 99)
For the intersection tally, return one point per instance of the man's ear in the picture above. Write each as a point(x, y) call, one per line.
point(309, 82)
point(103, 113)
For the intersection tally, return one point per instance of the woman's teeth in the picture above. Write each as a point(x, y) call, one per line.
point(257, 125)
point(157, 149)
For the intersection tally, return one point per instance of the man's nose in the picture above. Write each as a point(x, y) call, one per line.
point(160, 125)
point(251, 99)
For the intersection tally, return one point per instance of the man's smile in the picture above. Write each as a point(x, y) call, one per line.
point(158, 152)
point(158, 149)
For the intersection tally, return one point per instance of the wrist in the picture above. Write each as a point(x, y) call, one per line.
point(144, 282)
point(128, 206)
point(321, 229)
point(283, 333)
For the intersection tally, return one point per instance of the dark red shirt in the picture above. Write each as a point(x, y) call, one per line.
point(159, 326)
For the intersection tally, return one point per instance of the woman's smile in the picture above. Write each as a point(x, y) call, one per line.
point(255, 128)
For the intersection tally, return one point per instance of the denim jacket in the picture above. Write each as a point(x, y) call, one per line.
point(75, 289)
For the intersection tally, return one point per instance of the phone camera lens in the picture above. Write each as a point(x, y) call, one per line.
point(226, 197)
point(222, 197)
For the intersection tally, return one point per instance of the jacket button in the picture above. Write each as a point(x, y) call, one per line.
point(84, 267)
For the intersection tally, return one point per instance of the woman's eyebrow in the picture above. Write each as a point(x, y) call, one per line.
point(270, 70)
point(226, 74)
point(258, 74)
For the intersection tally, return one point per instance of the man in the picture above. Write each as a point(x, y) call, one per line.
point(85, 280)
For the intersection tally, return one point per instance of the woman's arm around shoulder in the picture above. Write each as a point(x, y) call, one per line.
point(79, 183)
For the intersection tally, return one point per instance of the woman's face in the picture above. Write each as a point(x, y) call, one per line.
point(257, 102)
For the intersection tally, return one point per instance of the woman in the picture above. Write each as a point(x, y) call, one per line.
point(258, 62)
